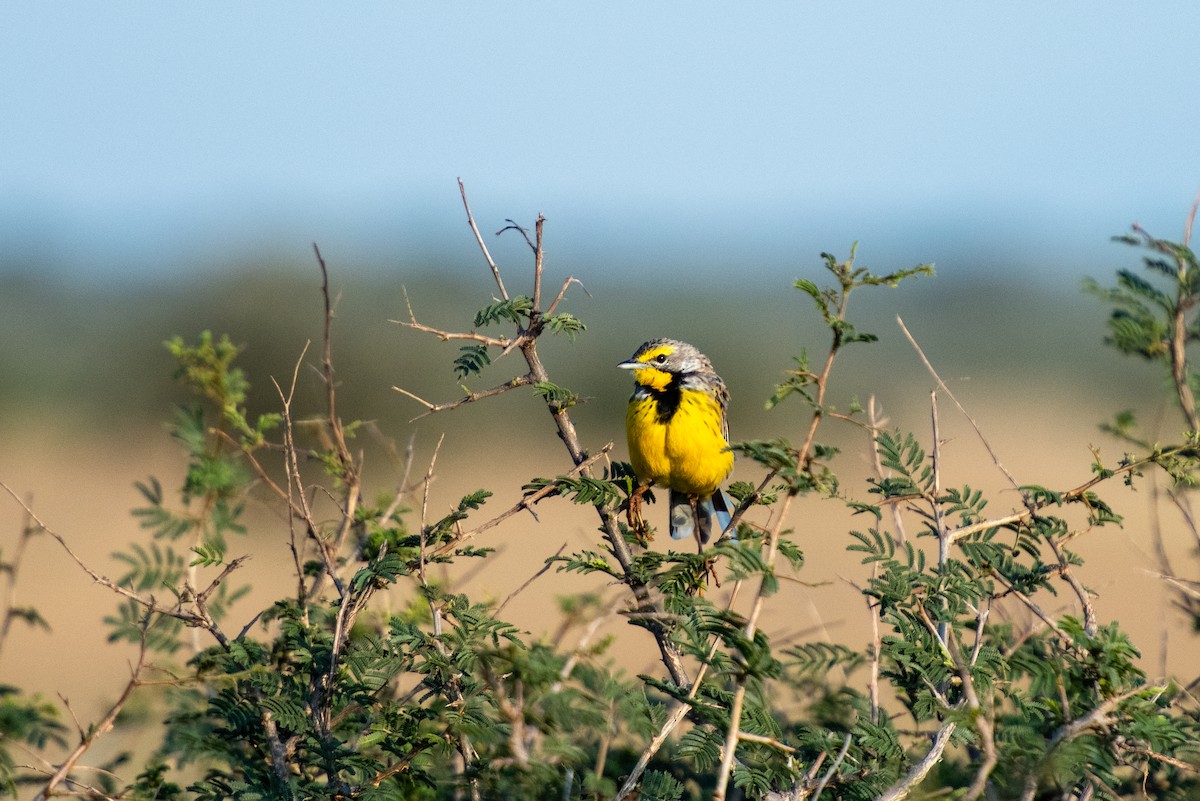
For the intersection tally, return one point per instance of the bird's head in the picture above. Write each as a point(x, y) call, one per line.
point(658, 362)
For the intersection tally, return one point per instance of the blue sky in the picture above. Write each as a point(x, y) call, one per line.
point(141, 137)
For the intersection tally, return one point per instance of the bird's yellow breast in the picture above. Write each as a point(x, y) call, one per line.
point(685, 450)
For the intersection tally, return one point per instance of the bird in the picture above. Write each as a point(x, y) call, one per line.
point(679, 435)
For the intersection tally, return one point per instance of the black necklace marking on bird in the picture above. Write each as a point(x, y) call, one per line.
point(666, 401)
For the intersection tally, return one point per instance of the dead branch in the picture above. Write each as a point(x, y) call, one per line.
point(470, 397)
point(541, 572)
point(942, 386)
point(188, 618)
point(462, 190)
point(88, 738)
point(446, 336)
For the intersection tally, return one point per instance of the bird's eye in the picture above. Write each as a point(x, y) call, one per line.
point(661, 358)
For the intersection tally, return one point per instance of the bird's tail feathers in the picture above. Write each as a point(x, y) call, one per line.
point(717, 508)
point(723, 506)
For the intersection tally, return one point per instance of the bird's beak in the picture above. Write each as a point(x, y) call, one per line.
point(631, 365)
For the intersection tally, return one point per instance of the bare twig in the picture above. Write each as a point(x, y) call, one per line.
point(462, 190)
point(426, 483)
point(1191, 219)
point(935, 506)
point(105, 724)
point(731, 741)
point(580, 648)
point(1090, 624)
point(298, 501)
point(446, 336)
point(936, 464)
point(770, 742)
point(563, 292)
point(674, 718)
point(297, 558)
point(982, 717)
point(942, 386)
point(350, 478)
point(1034, 607)
point(526, 502)
point(188, 618)
point(544, 569)
point(470, 397)
point(873, 607)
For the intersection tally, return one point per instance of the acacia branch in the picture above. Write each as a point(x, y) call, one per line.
point(735, 712)
point(462, 190)
point(674, 718)
point(526, 341)
point(917, 773)
point(833, 768)
point(942, 386)
point(822, 382)
point(1074, 495)
point(446, 336)
point(1098, 717)
point(1035, 608)
point(527, 502)
point(470, 397)
point(981, 717)
point(563, 292)
point(1090, 625)
point(106, 723)
point(188, 618)
point(679, 712)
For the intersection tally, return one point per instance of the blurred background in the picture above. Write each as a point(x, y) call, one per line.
point(165, 169)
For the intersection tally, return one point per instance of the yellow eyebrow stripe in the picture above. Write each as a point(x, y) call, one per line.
point(662, 350)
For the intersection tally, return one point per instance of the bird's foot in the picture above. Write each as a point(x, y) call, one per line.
point(633, 514)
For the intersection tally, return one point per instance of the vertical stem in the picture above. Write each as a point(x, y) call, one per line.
point(537, 265)
point(12, 569)
point(943, 534)
point(1179, 366)
point(735, 712)
point(731, 740)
